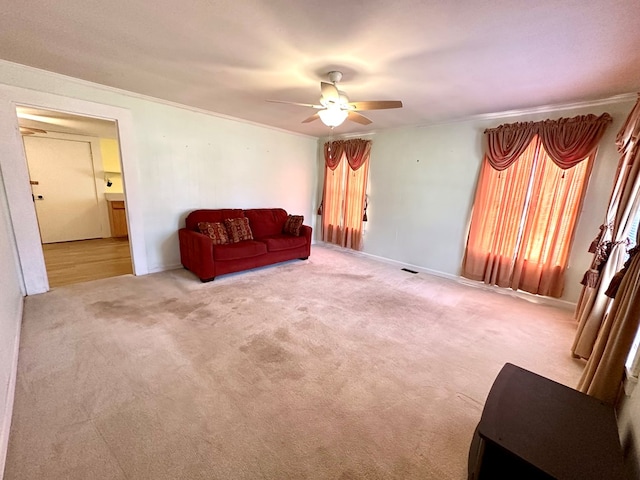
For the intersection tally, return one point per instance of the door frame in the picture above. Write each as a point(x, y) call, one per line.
point(13, 166)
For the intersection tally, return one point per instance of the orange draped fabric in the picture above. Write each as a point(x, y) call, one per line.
point(528, 202)
point(606, 329)
point(506, 143)
point(554, 208)
point(344, 191)
point(332, 204)
point(567, 141)
point(356, 186)
point(496, 220)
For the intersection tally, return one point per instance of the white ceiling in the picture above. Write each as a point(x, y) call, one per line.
point(443, 59)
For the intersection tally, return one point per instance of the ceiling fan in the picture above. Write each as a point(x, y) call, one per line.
point(335, 106)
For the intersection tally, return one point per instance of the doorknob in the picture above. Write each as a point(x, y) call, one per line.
point(39, 197)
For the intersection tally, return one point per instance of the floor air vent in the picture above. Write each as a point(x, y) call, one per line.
point(407, 270)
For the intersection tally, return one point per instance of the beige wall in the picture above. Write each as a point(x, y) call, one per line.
point(188, 159)
point(110, 151)
point(10, 318)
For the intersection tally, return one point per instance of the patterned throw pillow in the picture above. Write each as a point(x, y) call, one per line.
point(238, 229)
point(292, 225)
point(215, 231)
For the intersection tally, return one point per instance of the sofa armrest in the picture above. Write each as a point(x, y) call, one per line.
point(196, 253)
point(307, 232)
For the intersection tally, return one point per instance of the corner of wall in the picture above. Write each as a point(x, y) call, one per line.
point(9, 394)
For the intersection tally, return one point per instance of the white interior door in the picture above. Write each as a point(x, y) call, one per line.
point(65, 194)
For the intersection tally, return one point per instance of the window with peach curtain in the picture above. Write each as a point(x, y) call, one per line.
point(531, 187)
point(332, 202)
point(356, 186)
point(496, 220)
point(555, 201)
point(345, 185)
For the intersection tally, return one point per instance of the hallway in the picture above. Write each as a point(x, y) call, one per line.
point(85, 260)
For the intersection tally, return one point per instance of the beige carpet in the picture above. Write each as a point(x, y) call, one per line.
point(338, 367)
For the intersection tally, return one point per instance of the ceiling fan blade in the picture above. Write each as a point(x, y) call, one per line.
point(296, 103)
point(330, 92)
point(313, 117)
point(358, 118)
point(376, 105)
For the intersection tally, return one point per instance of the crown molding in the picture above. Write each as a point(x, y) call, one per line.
point(148, 98)
point(557, 107)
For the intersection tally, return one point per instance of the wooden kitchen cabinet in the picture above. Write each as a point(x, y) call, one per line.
point(118, 219)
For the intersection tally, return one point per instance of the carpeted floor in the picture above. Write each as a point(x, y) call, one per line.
point(339, 367)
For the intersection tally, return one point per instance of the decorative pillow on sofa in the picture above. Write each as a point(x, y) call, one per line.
point(292, 225)
point(238, 229)
point(215, 231)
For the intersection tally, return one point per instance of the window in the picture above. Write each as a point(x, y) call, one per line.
point(633, 360)
point(345, 184)
point(523, 222)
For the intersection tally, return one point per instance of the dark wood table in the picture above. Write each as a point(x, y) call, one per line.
point(535, 428)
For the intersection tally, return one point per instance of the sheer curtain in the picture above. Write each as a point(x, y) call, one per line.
point(555, 201)
point(345, 185)
point(615, 331)
point(604, 372)
point(531, 187)
point(610, 246)
point(496, 220)
point(332, 204)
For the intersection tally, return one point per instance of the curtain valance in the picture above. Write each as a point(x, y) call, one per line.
point(568, 141)
point(356, 150)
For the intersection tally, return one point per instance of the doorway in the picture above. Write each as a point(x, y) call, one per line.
point(78, 194)
point(16, 179)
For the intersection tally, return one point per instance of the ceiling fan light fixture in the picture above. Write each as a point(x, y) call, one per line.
point(333, 116)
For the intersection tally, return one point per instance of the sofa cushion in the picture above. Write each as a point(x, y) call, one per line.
point(215, 231)
point(235, 251)
point(292, 225)
point(266, 222)
point(211, 216)
point(238, 229)
point(284, 242)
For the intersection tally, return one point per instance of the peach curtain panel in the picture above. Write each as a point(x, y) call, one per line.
point(607, 329)
point(604, 372)
point(344, 191)
point(610, 246)
point(356, 187)
point(332, 204)
point(556, 200)
point(493, 235)
point(528, 201)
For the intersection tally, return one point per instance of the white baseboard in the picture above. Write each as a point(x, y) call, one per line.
point(555, 302)
point(10, 396)
point(165, 268)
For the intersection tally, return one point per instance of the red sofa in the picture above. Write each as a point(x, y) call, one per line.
point(269, 245)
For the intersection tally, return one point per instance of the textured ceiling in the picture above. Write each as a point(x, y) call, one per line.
point(443, 59)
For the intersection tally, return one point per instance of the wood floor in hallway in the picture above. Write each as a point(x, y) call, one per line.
point(85, 260)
